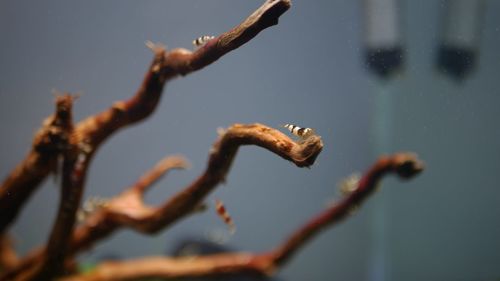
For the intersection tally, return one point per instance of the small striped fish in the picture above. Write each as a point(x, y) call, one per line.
point(224, 215)
point(298, 131)
point(202, 40)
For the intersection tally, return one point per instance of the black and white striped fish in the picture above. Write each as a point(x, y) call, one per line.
point(202, 40)
point(298, 131)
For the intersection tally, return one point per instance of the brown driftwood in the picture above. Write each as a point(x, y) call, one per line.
point(60, 143)
point(404, 165)
point(87, 135)
point(48, 144)
point(128, 209)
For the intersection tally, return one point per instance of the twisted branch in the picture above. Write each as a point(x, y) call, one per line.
point(149, 219)
point(57, 138)
point(91, 132)
point(73, 175)
point(48, 144)
point(132, 198)
point(405, 165)
point(167, 65)
point(128, 209)
point(94, 130)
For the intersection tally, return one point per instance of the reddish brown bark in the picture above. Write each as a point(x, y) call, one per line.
point(94, 130)
point(48, 144)
point(8, 257)
point(128, 209)
point(57, 139)
point(170, 64)
point(405, 165)
point(91, 132)
point(129, 199)
point(73, 176)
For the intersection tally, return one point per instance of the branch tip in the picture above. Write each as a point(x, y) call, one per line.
point(407, 165)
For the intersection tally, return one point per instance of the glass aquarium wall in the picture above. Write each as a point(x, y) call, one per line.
point(370, 77)
point(444, 107)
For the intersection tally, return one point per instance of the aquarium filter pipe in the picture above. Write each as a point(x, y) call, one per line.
point(382, 36)
point(459, 45)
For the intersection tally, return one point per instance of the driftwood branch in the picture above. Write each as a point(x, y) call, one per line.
point(94, 130)
point(48, 144)
point(58, 140)
point(405, 165)
point(74, 163)
point(128, 209)
point(170, 64)
point(130, 199)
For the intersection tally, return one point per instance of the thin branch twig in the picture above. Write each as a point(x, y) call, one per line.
point(157, 172)
point(405, 165)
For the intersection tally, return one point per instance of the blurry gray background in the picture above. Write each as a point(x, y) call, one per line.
point(308, 70)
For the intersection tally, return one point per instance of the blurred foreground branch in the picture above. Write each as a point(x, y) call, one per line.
point(404, 165)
